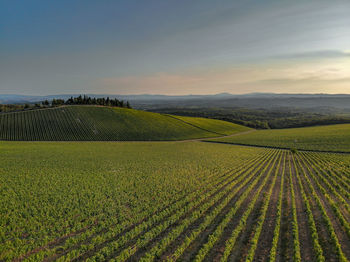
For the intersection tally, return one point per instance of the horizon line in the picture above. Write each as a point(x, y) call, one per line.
point(150, 94)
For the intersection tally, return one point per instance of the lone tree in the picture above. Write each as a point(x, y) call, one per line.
point(294, 150)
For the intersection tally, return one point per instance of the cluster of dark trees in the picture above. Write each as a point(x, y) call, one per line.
point(86, 100)
point(79, 100)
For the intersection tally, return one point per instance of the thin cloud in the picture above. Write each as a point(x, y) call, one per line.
point(321, 54)
point(274, 77)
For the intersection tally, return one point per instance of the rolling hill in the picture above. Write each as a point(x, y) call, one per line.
point(319, 138)
point(93, 123)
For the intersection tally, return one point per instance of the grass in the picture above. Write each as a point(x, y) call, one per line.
point(91, 123)
point(322, 138)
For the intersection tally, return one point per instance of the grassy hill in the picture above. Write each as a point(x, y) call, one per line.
point(91, 123)
point(323, 138)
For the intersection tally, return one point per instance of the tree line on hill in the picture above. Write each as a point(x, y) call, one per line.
point(79, 100)
point(87, 100)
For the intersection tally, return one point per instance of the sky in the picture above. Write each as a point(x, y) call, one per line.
point(174, 47)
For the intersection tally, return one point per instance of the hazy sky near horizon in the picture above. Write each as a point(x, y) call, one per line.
point(174, 47)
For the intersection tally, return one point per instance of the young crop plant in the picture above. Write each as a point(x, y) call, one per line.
point(261, 219)
point(180, 213)
point(229, 244)
point(68, 207)
point(276, 233)
point(222, 180)
point(332, 235)
point(213, 238)
point(333, 204)
point(312, 225)
point(168, 201)
point(158, 249)
point(334, 186)
point(295, 231)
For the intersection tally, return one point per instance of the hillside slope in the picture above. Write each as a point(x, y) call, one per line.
point(216, 126)
point(91, 123)
point(321, 138)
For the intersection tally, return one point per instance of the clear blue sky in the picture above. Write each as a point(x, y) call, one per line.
point(174, 47)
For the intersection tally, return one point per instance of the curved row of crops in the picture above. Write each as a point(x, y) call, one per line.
point(172, 201)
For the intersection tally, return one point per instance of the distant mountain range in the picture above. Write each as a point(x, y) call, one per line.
point(252, 100)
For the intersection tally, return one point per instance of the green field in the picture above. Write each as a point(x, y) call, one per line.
point(192, 201)
point(321, 138)
point(92, 123)
point(217, 126)
point(51, 189)
point(168, 201)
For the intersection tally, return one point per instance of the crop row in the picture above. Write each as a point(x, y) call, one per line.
point(213, 238)
point(219, 202)
point(295, 230)
point(276, 233)
point(311, 221)
point(64, 203)
point(107, 230)
point(336, 208)
point(327, 222)
point(231, 201)
point(261, 219)
point(107, 237)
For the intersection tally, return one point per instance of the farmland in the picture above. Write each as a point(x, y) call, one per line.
point(193, 201)
point(320, 138)
point(92, 123)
